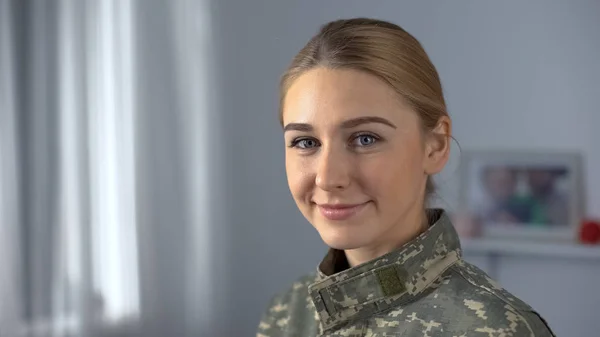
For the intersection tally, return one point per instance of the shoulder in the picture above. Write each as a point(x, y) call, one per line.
point(488, 306)
point(475, 278)
point(287, 306)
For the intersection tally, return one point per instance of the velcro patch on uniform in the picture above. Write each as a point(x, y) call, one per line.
point(390, 282)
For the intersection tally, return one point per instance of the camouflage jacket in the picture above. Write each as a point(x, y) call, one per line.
point(422, 289)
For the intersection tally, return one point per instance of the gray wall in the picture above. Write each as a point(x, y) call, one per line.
point(516, 74)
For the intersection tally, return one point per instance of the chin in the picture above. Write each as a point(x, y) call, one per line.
point(343, 239)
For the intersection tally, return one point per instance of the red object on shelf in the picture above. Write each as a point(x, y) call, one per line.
point(589, 232)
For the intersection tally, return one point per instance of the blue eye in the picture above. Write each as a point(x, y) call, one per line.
point(305, 143)
point(364, 140)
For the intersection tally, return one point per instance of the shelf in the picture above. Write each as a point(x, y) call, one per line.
point(531, 248)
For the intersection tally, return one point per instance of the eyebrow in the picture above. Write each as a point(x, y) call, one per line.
point(351, 123)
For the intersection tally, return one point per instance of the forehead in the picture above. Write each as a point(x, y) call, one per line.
point(330, 96)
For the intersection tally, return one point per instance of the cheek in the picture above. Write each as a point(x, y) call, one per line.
point(299, 178)
point(394, 177)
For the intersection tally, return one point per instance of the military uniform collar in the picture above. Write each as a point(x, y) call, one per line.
point(398, 277)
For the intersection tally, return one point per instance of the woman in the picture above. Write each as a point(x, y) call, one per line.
point(365, 127)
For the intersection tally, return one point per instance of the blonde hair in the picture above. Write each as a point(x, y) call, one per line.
point(379, 48)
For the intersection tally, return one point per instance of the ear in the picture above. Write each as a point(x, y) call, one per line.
point(437, 146)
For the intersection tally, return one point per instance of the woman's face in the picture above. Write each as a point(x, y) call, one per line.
point(356, 158)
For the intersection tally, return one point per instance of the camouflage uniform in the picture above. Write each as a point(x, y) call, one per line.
point(422, 289)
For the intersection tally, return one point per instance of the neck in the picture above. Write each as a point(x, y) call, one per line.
point(409, 227)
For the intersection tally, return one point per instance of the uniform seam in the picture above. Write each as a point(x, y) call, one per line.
point(440, 274)
point(457, 270)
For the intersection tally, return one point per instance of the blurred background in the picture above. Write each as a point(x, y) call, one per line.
point(142, 182)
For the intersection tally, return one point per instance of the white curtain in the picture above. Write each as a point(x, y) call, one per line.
point(196, 91)
point(104, 208)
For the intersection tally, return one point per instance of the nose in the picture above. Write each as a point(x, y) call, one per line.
point(333, 170)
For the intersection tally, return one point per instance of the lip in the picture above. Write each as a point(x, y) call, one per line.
point(339, 212)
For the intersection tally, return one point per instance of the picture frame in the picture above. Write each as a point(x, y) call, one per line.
point(523, 195)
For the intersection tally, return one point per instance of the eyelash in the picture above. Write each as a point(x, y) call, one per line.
point(294, 143)
point(376, 138)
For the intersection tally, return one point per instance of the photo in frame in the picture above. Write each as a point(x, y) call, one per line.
point(523, 195)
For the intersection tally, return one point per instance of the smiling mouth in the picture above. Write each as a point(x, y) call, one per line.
point(340, 212)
